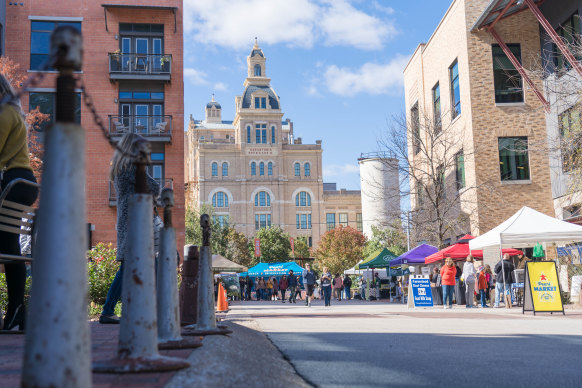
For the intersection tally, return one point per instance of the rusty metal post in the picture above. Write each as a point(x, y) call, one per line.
point(57, 349)
point(206, 317)
point(167, 285)
point(138, 333)
point(189, 286)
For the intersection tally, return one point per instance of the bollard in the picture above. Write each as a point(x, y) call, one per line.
point(138, 333)
point(57, 349)
point(206, 317)
point(167, 285)
point(189, 286)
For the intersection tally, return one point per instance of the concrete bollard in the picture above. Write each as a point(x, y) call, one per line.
point(206, 317)
point(57, 349)
point(189, 286)
point(167, 285)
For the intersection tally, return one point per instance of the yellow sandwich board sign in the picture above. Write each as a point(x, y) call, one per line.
point(541, 288)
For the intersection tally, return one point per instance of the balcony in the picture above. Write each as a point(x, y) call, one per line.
point(164, 183)
point(154, 128)
point(140, 66)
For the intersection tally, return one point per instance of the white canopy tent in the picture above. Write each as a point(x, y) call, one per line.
point(353, 270)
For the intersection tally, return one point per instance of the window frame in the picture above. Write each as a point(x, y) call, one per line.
point(224, 169)
point(214, 169)
point(501, 162)
point(297, 168)
point(253, 168)
point(46, 34)
point(455, 106)
point(436, 107)
point(343, 219)
point(270, 169)
point(307, 169)
point(497, 55)
point(460, 170)
point(330, 221)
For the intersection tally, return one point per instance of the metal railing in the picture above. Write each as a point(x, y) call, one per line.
point(164, 183)
point(147, 126)
point(140, 64)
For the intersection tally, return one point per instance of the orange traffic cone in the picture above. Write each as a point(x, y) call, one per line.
point(222, 304)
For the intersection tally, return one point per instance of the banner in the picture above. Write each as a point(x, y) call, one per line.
point(542, 289)
point(257, 247)
point(420, 294)
point(292, 242)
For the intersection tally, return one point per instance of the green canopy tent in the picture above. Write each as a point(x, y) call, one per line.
point(379, 259)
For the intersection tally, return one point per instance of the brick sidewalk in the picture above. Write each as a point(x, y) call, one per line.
point(104, 347)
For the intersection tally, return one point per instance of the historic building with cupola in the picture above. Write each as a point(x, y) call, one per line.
point(256, 173)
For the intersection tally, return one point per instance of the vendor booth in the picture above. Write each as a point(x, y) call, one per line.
point(222, 264)
point(379, 259)
point(416, 257)
point(273, 269)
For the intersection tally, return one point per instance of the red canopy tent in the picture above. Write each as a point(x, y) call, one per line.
point(460, 251)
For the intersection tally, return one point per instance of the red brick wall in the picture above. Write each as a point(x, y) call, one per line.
point(97, 43)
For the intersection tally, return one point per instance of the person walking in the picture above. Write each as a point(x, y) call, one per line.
point(503, 270)
point(242, 287)
point(292, 285)
point(14, 164)
point(337, 287)
point(122, 174)
point(448, 272)
point(483, 286)
point(269, 289)
point(363, 287)
point(261, 288)
point(275, 295)
point(326, 281)
point(347, 287)
point(490, 282)
point(308, 282)
point(249, 284)
point(283, 284)
point(469, 278)
point(298, 288)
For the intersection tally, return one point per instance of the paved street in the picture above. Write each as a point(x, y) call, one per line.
point(375, 344)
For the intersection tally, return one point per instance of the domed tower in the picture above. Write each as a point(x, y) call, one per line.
point(256, 62)
point(213, 111)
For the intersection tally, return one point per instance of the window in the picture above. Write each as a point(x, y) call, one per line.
point(144, 39)
point(260, 102)
point(507, 81)
point(214, 169)
point(419, 195)
point(415, 128)
point(303, 199)
point(141, 106)
point(270, 168)
point(220, 199)
point(249, 134)
point(262, 221)
point(303, 221)
point(297, 167)
point(221, 220)
point(46, 103)
point(307, 169)
point(261, 133)
point(436, 107)
point(343, 219)
point(513, 158)
point(569, 122)
point(273, 138)
point(330, 221)
point(224, 169)
point(261, 169)
point(455, 90)
point(40, 41)
point(262, 198)
point(253, 168)
point(569, 31)
point(257, 70)
point(460, 170)
point(157, 168)
point(359, 224)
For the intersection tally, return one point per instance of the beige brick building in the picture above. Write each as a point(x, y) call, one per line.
point(255, 173)
point(463, 79)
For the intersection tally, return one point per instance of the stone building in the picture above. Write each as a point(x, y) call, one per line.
point(256, 173)
point(463, 79)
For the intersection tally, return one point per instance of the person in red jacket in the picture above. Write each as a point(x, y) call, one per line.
point(448, 272)
point(483, 285)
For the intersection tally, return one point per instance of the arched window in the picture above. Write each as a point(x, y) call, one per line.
point(297, 169)
point(224, 169)
point(257, 70)
point(214, 169)
point(303, 199)
point(253, 168)
point(262, 198)
point(273, 134)
point(261, 169)
point(220, 199)
point(270, 168)
point(249, 140)
point(307, 168)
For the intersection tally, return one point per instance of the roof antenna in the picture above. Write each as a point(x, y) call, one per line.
point(256, 42)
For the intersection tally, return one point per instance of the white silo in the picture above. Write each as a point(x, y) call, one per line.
point(380, 191)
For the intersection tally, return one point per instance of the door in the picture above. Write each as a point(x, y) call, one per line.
point(125, 51)
point(157, 115)
point(126, 115)
point(157, 55)
point(141, 54)
point(141, 118)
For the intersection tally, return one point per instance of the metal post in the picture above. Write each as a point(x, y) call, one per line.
point(206, 317)
point(189, 286)
point(167, 285)
point(137, 349)
point(57, 346)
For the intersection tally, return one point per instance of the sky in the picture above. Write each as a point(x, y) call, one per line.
point(335, 64)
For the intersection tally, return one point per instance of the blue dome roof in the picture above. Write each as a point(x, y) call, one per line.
point(246, 99)
point(257, 51)
point(213, 104)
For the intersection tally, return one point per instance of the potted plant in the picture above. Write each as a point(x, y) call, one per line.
point(165, 59)
point(116, 58)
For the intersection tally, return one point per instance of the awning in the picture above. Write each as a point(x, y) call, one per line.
point(415, 255)
point(499, 9)
point(222, 264)
point(461, 250)
point(379, 259)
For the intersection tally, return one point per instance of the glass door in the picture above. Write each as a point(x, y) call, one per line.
point(157, 64)
point(126, 115)
point(141, 54)
point(125, 51)
point(157, 116)
point(141, 118)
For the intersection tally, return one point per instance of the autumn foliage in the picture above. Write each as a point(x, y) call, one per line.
point(340, 249)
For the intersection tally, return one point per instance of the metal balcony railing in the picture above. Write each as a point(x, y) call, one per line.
point(164, 183)
point(152, 127)
point(140, 66)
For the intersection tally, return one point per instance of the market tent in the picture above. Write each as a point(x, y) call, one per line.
point(460, 251)
point(415, 255)
point(222, 264)
point(353, 270)
point(526, 228)
point(274, 269)
point(379, 259)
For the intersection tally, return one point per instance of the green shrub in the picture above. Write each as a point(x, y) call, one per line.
point(4, 292)
point(102, 268)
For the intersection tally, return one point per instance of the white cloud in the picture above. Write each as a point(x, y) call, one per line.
point(381, 8)
point(197, 77)
point(371, 78)
point(340, 170)
point(220, 86)
point(297, 23)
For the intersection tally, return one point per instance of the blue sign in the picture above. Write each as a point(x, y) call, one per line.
point(421, 292)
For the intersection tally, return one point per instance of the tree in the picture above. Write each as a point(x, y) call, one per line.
point(301, 247)
point(392, 239)
point(275, 244)
point(340, 248)
point(218, 236)
point(237, 248)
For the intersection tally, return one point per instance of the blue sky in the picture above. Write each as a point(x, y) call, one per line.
point(336, 65)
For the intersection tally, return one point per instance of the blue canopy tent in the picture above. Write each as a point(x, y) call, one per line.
point(273, 269)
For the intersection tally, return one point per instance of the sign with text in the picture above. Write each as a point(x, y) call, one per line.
point(261, 151)
point(542, 289)
point(420, 292)
point(257, 247)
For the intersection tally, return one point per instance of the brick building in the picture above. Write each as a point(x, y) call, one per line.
point(133, 63)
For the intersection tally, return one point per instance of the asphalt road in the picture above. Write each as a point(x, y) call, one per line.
point(373, 344)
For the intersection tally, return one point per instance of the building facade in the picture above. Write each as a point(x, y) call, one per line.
point(133, 71)
point(255, 173)
point(463, 80)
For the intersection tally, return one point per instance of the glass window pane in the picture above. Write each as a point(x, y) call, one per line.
point(270, 168)
point(40, 42)
point(506, 79)
point(513, 158)
point(42, 26)
point(157, 95)
point(297, 221)
point(141, 95)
